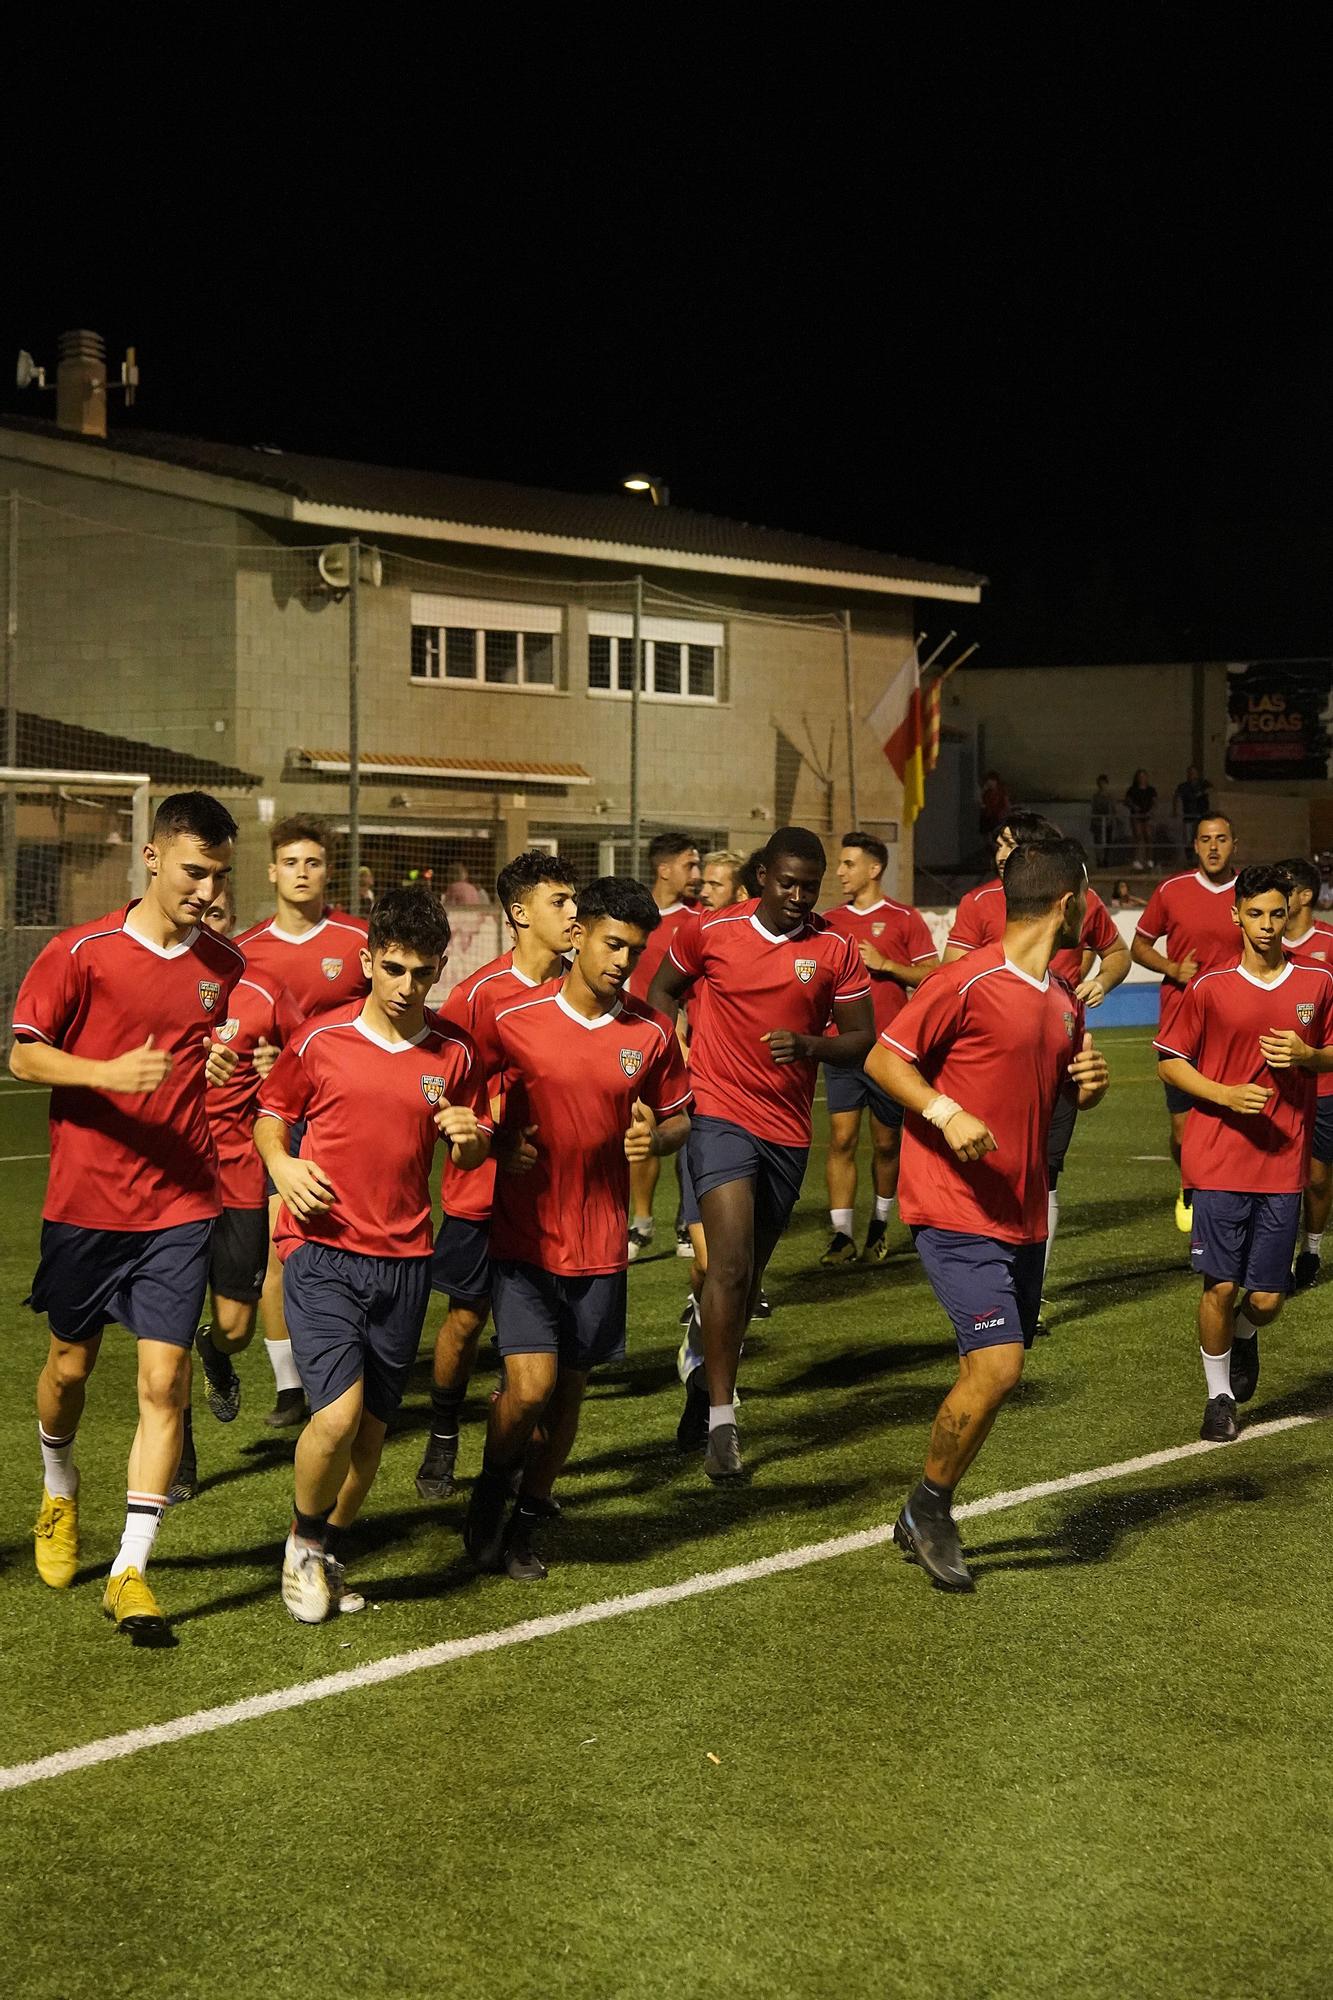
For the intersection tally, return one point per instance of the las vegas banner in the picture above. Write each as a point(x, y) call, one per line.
point(1281, 726)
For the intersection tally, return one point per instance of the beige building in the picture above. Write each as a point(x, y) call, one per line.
point(199, 597)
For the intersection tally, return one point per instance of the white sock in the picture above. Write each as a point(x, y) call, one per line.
point(1217, 1373)
point(1243, 1328)
point(721, 1413)
point(883, 1207)
point(285, 1372)
point(60, 1475)
point(143, 1518)
point(1052, 1224)
point(644, 1224)
point(843, 1220)
point(1313, 1239)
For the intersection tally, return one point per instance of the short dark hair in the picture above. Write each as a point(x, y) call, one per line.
point(620, 898)
point(1039, 872)
point(1026, 828)
point(749, 871)
point(1260, 879)
point(869, 843)
point(1225, 818)
point(798, 844)
point(198, 813)
point(413, 916)
point(526, 872)
point(300, 826)
point(665, 847)
point(1102, 778)
point(1303, 873)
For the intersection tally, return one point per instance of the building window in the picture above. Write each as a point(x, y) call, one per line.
point(682, 660)
point(471, 641)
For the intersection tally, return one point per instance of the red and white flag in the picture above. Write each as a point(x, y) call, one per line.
point(898, 723)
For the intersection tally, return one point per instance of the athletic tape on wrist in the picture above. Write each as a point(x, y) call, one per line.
point(940, 1110)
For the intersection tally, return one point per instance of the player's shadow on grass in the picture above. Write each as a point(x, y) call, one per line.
point(1093, 1531)
point(852, 1368)
point(1136, 1282)
point(1312, 1399)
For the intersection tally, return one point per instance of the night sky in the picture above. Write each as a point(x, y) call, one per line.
point(1050, 309)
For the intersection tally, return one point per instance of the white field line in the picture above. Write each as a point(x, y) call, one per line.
point(8, 1159)
point(203, 1722)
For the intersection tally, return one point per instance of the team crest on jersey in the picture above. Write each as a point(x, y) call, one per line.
point(210, 992)
point(877, 930)
point(226, 1031)
point(631, 1061)
point(1305, 1012)
point(1069, 1025)
point(806, 969)
point(330, 967)
point(434, 1089)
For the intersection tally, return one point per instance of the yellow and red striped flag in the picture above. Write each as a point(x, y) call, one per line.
point(897, 721)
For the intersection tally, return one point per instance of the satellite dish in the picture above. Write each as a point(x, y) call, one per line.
point(27, 371)
point(335, 567)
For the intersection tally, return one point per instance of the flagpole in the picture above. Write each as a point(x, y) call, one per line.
point(851, 717)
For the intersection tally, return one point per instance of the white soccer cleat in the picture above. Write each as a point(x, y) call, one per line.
point(340, 1592)
point(305, 1583)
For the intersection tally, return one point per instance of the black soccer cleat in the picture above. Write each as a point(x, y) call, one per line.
point(692, 1430)
point(932, 1540)
point(484, 1522)
point(1306, 1272)
point(764, 1308)
point(222, 1383)
point(435, 1474)
point(722, 1460)
point(521, 1561)
point(841, 1250)
point(289, 1409)
point(1244, 1368)
point(876, 1244)
point(186, 1483)
point(1219, 1421)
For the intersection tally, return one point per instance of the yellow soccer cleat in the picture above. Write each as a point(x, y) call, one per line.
point(57, 1540)
point(133, 1606)
point(1184, 1215)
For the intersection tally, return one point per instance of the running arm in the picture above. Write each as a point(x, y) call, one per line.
point(1245, 1098)
point(968, 1137)
point(848, 1049)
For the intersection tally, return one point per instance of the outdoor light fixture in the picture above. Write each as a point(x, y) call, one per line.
point(649, 482)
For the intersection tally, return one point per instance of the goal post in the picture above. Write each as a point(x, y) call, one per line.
point(72, 846)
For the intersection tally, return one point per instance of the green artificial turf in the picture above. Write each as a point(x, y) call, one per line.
point(1105, 1774)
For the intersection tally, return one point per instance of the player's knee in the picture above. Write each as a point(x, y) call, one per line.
point(1265, 1302)
point(164, 1381)
point(70, 1362)
point(1222, 1290)
point(730, 1271)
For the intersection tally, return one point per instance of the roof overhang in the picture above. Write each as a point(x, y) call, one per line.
point(335, 763)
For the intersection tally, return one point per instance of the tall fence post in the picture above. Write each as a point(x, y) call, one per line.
point(354, 725)
point(635, 814)
point(851, 717)
point(9, 825)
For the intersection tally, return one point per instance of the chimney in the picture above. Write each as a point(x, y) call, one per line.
point(81, 383)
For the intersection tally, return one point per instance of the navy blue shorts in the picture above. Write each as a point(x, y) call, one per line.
point(1063, 1120)
point(720, 1152)
point(1322, 1149)
point(295, 1134)
point(991, 1291)
point(853, 1090)
point(580, 1319)
point(689, 1200)
point(238, 1256)
point(1177, 1100)
point(354, 1319)
point(1248, 1239)
point(461, 1264)
point(154, 1281)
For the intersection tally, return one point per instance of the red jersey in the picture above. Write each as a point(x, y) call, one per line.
point(751, 980)
point(1315, 948)
point(472, 1006)
point(255, 1014)
point(1000, 1043)
point(894, 930)
point(657, 947)
point(99, 990)
point(369, 1107)
point(320, 969)
point(576, 1080)
point(981, 916)
point(1195, 917)
point(1217, 1028)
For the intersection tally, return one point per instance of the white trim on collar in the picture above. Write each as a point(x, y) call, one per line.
point(1040, 985)
point(856, 911)
point(162, 950)
point(600, 1021)
point(670, 909)
point(778, 937)
point(390, 1048)
point(289, 937)
point(1267, 985)
point(1213, 888)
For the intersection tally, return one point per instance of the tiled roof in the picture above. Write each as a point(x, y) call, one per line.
point(45, 744)
point(392, 763)
point(611, 518)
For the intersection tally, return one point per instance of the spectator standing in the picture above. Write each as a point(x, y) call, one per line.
point(1192, 803)
point(1103, 820)
point(461, 893)
point(1139, 802)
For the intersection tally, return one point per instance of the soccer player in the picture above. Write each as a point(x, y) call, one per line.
point(372, 1085)
point(978, 1058)
point(897, 952)
point(314, 951)
point(259, 1020)
point(980, 918)
point(537, 897)
point(117, 1017)
point(1194, 914)
point(676, 881)
point(1311, 943)
point(768, 977)
point(721, 882)
point(1245, 1045)
point(595, 1080)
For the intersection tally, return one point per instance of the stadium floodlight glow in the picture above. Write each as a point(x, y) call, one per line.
point(649, 482)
